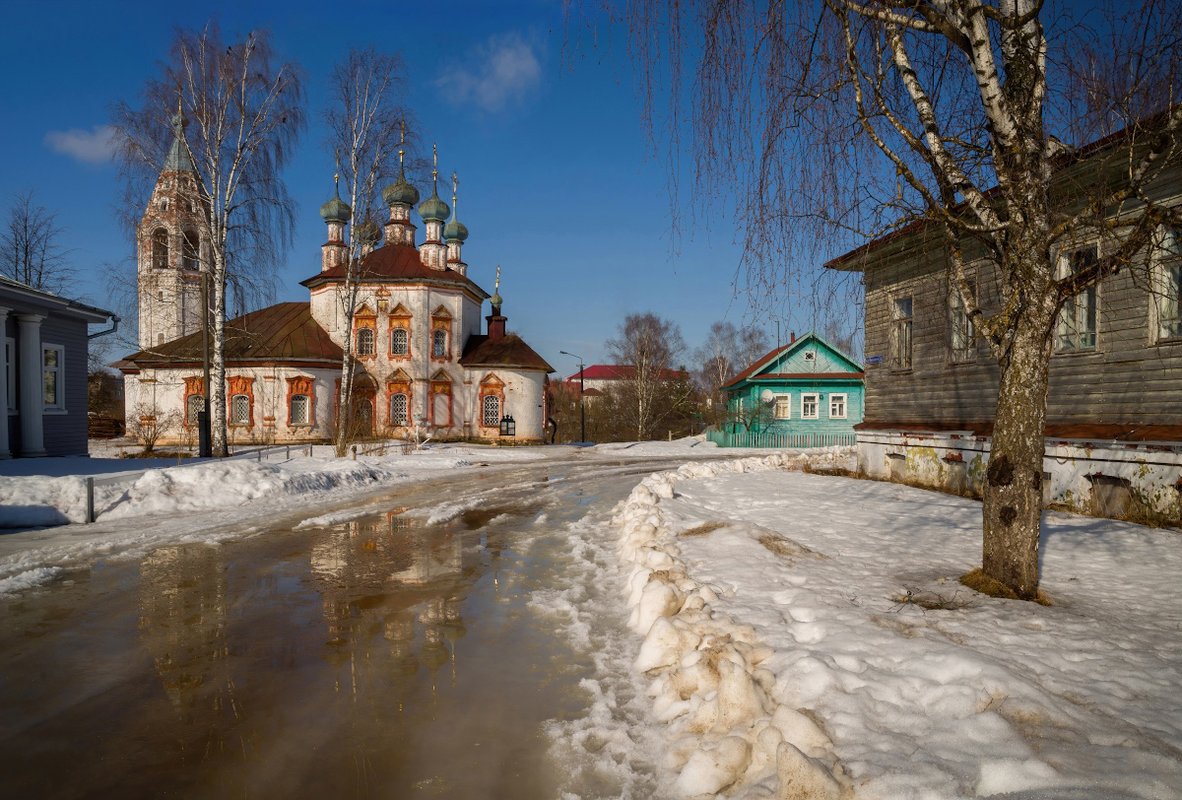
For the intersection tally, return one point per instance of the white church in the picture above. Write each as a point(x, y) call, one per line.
point(422, 361)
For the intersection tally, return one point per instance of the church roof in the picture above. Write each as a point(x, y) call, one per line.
point(285, 332)
point(507, 351)
point(397, 263)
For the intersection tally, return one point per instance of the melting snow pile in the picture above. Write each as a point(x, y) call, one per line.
point(804, 637)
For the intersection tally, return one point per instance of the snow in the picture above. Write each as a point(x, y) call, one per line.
point(777, 633)
point(805, 636)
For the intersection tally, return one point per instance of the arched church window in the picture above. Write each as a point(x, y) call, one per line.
point(194, 404)
point(439, 344)
point(399, 408)
point(240, 410)
point(299, 410)
point(190, 253)
point(491, 407)
point(365, 346)
point(160, 248)
point(399, 342)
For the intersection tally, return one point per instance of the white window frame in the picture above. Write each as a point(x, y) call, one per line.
point(58, 406)
point(10, 366)
point(191, 412)
point(234, 420)
point(395, 420)
point(902, 326)
point(1166, 294)
point(1070, 335)
point(805, 399)
point(394, 351)
point(486, 406)
point(307, 415)
point(783, 401)
point(962, 340)
point(845, 406)
point(370, 347)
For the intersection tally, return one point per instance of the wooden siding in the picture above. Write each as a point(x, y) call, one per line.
point(65, 434)
point(1128, 379)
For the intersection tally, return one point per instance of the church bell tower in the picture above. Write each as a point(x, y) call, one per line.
point(172, 249)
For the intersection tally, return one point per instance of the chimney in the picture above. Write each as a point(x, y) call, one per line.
point(496, 324)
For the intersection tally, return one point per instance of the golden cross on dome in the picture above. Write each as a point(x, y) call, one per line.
point(455, 188)
point(497, 289)
point(401, 141)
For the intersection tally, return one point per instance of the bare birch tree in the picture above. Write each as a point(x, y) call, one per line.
point(30, 247)
point(649, 347)
point(726, 351)
point(244, 112)
point(367, 125)
point(837, 120)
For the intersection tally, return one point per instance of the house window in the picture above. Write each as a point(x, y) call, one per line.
point(809, 406)
point(1075, 330)
point(901, 334)
point(399, 342)
point(399, 409)
point(10, 368)
point(240, 409)
point(1167, 286)
point(491, 405)
point(53, 359)
point(837, 406)
point(190, 251)
point(961, 325)
point(783, 406)
point(365, 346)
point(439, 343)
point(160, 248)
point(298, 413)
point(194, 405)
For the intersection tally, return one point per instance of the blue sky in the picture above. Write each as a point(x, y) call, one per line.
point(541, 120)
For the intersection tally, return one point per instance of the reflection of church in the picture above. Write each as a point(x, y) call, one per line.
point(380, 574)
point(421, 359)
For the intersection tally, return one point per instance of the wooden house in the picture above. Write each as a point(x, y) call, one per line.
point(1114, 418)
point(807, 393)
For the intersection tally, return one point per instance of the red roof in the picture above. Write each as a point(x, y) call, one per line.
point(284, 332)
point(622, 372)
point(397, 263)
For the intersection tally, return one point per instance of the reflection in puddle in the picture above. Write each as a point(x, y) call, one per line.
point(382, 657)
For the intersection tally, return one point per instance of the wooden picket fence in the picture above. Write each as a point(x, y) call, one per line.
point(782, 441)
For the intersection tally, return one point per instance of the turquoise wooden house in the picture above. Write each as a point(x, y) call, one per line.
point(807, 393)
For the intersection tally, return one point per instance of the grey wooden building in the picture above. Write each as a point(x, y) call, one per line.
point(1114, 424)
point(43, 380)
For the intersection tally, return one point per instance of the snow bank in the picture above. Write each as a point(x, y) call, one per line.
point(709, 682)
point(805, 636)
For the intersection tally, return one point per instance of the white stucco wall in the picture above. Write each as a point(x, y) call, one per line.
point(1153, 470)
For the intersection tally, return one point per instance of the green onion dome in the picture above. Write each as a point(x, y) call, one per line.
point(455, 231)
point(336, 210)
point(400, 193)
point(433, 209)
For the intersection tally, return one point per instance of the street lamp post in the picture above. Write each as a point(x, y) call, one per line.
point(582, 410)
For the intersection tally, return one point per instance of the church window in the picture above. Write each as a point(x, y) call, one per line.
point(365, 345)
point(299, 410)
point(194, 404)
point(439, 343)
point(491, 406)
point(399, 408)
point(240, 410)
point(190, 252)
point(160, 248)
point(399, 342)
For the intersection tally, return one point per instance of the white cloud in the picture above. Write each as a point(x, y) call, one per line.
point(501, 72)
point(94, 146)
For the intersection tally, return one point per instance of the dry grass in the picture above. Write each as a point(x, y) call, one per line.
point(931, 601)
point(839, 472)
point(786, 548)
point(703, 529)
point(978, 581)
